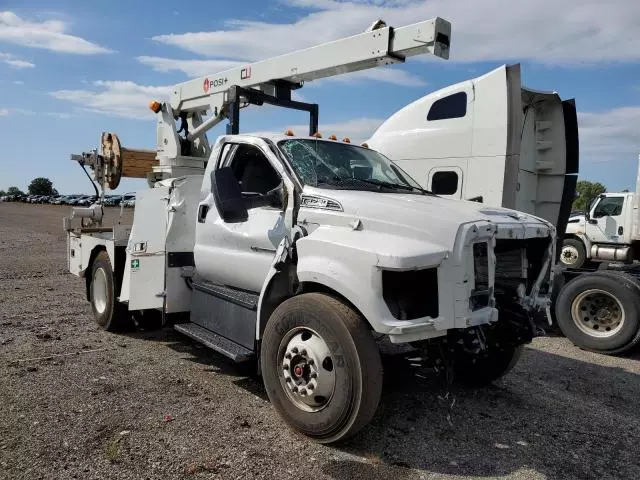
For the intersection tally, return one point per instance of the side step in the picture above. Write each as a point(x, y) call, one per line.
point(222, 345)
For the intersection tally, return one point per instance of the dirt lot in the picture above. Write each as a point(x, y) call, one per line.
point(156, 405)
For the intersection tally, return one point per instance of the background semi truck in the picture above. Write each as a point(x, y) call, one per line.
point(298, 252)
point(608, 231)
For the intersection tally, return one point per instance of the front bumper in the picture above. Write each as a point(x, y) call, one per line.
point(457, 279)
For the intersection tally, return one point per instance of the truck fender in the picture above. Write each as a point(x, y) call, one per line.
point(116, 257)
point(277, 286)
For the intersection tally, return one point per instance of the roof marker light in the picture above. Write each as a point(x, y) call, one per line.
point(155, 106)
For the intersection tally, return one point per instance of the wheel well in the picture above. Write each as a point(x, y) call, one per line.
point(87, 272)
point(313, 287)
point(118, 268)
point(280, 289)
point(571, 236)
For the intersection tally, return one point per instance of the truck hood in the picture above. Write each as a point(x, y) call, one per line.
point(423, 217)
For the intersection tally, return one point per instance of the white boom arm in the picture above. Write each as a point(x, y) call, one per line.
point(383, 46)
point(272, 80)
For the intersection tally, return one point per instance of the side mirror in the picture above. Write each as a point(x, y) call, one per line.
point(228, 197)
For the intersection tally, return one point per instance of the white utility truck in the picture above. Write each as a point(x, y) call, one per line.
point(301, 252)
point(491, 140)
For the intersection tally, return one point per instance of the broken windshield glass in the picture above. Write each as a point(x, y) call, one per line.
point(342, 165)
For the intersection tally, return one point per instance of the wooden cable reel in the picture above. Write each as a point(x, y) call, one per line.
point(124, 162)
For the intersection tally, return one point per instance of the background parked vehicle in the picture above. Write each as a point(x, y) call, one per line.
point(129, 200)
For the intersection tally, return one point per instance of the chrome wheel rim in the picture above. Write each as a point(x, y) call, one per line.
point(99, 290)
point(569, 255)
point(306, 368)
point(597, 313)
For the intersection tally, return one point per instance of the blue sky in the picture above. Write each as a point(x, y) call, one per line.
point(72, 69)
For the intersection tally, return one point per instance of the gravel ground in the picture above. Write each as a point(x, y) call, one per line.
point(154, 405)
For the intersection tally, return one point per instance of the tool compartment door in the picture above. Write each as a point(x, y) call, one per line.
point(145, 267)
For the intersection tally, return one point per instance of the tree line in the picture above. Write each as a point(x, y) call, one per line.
point(586, 191)
point(38, 186)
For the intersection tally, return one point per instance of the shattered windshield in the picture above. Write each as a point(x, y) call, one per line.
point(341, 165)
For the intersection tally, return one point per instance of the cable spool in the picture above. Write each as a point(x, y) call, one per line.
point(110, 144)
point(124, 162)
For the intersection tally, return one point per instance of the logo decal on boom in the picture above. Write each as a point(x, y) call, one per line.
point(218, 82)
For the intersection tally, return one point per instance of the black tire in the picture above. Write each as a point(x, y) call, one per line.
point(110, 315)
point(482, 370)
point(577, 247)
point(624, 293)
point(355, 361)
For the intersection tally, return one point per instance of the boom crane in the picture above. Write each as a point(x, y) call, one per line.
point(220, 96)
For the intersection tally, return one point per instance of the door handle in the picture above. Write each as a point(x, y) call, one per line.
point(620, 230)
point(202, 213)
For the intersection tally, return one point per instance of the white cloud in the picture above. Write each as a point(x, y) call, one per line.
point(26, 111)
point(18, 82)
point(357, 129)
point(14, 62)
point(610, 134)
point(546, 31)
point(117, 98)
point(192, 68)
point(48, 35)
point(604, 136)
point(19, 64)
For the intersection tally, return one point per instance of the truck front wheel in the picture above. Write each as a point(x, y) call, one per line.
point(482, 369)
point(321, 367)
point(109, 314)
point(573, 253)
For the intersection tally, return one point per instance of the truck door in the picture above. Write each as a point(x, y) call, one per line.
point(239, 254)
point(607, 220)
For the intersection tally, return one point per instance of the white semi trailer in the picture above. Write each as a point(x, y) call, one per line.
point(490, 140)
point(298, 251)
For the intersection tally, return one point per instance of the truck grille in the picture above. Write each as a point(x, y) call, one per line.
point(517, 262)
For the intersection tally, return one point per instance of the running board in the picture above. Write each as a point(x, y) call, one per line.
point(222, 345)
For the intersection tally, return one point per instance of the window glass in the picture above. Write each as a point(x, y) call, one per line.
point(334, 164)
point(453, 106)
point(609, 207)
point(444, 183)
point(252, 169)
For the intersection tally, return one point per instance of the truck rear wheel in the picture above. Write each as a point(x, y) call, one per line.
point(108, 314)
point(599, 311)
point(321, 367)
point(481, 370)
point(573, 253)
